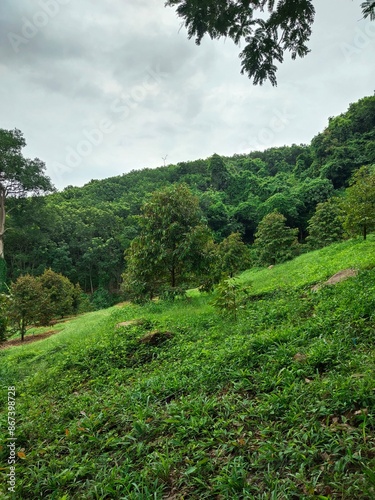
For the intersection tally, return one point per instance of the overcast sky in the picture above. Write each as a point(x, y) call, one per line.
point(102, 88)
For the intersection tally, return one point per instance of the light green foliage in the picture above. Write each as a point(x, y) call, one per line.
point(230, 297)
point(170, 251)
point(274, 240)
point(359, 202)
point(312, 267)
point(282, 396)
point(325, 226)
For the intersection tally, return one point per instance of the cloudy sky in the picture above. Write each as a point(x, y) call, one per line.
point(102, 88)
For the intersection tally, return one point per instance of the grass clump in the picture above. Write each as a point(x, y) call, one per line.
point(277, 404)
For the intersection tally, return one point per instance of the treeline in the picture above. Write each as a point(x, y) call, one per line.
point(83, 233)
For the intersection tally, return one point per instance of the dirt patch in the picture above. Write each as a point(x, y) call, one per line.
point(127, 323)
point(336, 278)
point(341, 276)
point(27, 340)
point(156, 337)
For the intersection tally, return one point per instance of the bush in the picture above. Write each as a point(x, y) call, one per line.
point(230, 297)
point(58, 298)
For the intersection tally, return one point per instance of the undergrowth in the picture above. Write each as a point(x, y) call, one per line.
point(276, 403)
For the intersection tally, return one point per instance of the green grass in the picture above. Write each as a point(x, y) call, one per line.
point(314, 266)
point(279, 404)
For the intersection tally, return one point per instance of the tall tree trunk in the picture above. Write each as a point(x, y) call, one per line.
point(2, 221)
point(364, 231)
point(173, 276)
point(23, 329)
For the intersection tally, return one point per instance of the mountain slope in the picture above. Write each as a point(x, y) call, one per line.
point(278, 404)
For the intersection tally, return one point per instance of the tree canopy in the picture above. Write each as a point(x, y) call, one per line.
point(268, 29)
point(359, 202)
point(18, 175)
point(82, 232)
point(170, 250)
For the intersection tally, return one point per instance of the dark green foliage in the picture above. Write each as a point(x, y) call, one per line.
point(27, 301)
point(274, 240)
point(325, 226)
point(101, 299)
point(359, 202)
point(40, 299)
point(219, 173)
point(233, 255)
point(347, 143)
point(265, 29)
point(368, 8)
point(58, 296)
point(18, 175)
point(82, 233)
point(285, 28)
point(4, 311)
point(170, 252)
point(3, 274)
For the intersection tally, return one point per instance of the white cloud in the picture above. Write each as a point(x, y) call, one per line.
point(90, 64)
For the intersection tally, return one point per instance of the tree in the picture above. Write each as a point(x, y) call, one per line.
point(219, 173)
point(275, 242)
point(169, 253)
point(287, 28)
point(18, 175)
point(230, 297)
point(359, 202)
point(58, 296)
point(233, 255)
point(26, 302)
point(325, 226)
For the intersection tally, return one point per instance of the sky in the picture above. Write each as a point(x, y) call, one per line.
point(102, 88)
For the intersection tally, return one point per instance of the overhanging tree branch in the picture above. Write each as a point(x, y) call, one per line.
point(268, 28)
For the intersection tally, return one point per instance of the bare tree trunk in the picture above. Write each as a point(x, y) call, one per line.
point(2, 221)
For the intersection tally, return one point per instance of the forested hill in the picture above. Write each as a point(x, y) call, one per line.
point(83, 232)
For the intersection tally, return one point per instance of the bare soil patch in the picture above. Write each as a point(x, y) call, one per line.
point(27, 340)
point(336, 278)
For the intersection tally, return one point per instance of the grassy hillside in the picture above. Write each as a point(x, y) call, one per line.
point(279, 404)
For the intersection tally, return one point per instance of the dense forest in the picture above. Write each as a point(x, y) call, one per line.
point(83, 233)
